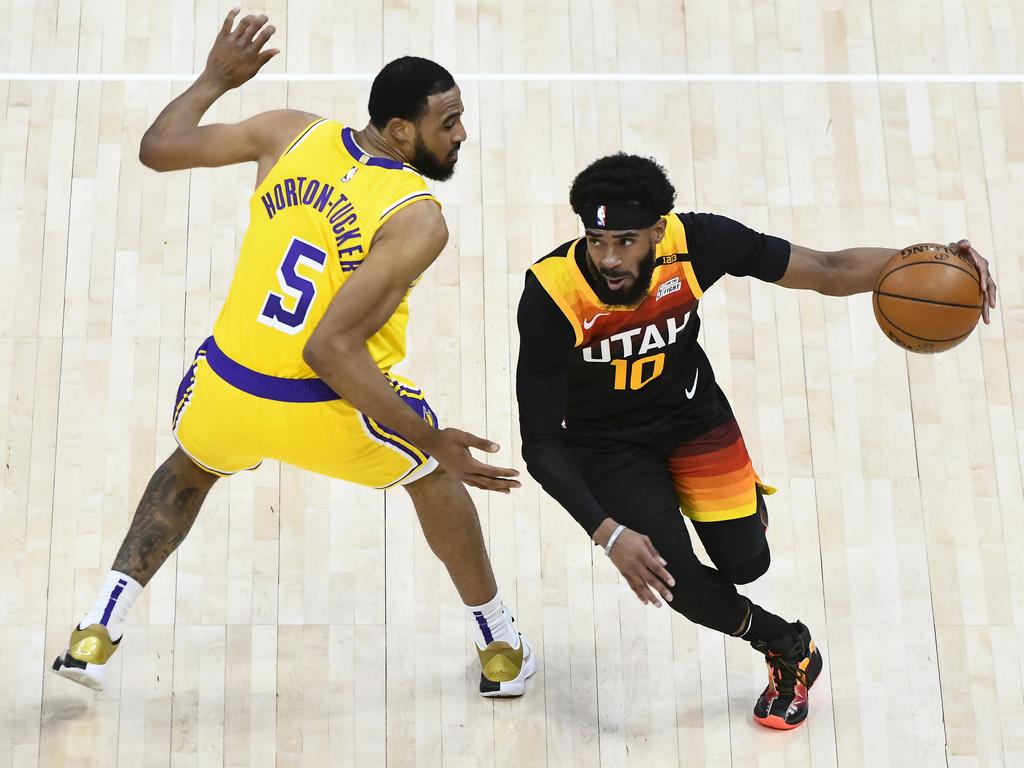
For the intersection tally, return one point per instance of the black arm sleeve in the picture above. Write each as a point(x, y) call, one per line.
point(719, 245)
point(542, 381)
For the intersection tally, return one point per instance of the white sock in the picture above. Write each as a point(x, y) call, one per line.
point(113, 602)
point(492, 622)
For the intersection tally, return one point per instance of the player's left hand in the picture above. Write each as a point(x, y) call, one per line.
point(237, 55)
point(451, 449)
point(988, 286)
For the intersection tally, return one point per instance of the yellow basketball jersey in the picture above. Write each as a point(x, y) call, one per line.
point(312, 220)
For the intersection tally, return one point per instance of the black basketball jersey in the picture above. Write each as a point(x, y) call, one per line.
point(634, 368)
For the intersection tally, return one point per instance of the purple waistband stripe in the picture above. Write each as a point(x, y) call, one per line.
point(266, 386)
point(309, 391)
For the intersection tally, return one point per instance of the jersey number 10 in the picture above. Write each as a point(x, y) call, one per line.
point(641, 372)
point(295, 287)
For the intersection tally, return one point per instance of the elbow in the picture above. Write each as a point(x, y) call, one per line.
point(534, 468)
point(535, 449)
point(528, 453)
point(151, 154)
point(317, 354)
point(833, 281)
point(325, 353)
point(528, 448)
point(314, 354)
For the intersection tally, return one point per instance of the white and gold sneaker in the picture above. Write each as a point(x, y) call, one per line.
point(504, 669)
point(85, 660)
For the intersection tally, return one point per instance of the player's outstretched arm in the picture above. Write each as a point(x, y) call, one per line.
point(401, 251)
point(835, 273)
point(176, 141)
point(856, 270)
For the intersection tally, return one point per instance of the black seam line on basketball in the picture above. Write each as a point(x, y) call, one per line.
point(968, 272)
point(928, 301)
point(921, 338)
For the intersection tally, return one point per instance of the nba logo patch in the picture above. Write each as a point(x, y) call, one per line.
point(669, 286)
point(348, 176)
point(600, 215)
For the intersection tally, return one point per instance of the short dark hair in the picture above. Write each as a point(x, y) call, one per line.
point(402, 87)
point(622, 178)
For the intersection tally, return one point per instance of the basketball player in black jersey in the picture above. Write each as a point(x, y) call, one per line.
point(623, 423)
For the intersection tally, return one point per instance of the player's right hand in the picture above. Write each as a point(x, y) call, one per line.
point(965, 250)
point(451, 449)
point(643, 568)
point(237, 53)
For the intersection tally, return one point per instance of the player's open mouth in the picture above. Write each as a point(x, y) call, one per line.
point(614, 283)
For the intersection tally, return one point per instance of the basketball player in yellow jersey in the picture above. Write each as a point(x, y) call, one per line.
point(342, 225)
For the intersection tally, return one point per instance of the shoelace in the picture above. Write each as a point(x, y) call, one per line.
point(786, 673)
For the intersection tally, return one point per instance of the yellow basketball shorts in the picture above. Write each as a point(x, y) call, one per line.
point(228, 418)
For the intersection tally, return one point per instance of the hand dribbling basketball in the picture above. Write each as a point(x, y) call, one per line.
point(929, 297)
point(988, 285)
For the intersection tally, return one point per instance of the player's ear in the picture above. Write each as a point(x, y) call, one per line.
point(658, 231)
point(402, 131)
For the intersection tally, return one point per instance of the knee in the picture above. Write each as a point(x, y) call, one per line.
point(746, 571)
point(182, 467)
point(437, 489)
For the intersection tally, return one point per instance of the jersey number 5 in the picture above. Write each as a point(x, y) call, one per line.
point(295, 287)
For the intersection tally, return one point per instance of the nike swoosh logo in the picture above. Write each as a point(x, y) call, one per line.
point(589, 323)
point(690, 392)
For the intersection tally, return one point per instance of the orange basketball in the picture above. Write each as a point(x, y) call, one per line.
point(928, 298)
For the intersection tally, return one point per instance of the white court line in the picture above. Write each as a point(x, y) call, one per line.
point(554, 77)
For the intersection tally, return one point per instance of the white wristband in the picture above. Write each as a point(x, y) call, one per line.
point(612, 538)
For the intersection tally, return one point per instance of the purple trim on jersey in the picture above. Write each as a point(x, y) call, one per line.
point(304, 134)
point(383, 433)
point(357, 152)
point(185, 387)
point(405, 201)
point(414, 399)
point(186, 381)
point(121, 584)
point(484, 629)
point(266, 386)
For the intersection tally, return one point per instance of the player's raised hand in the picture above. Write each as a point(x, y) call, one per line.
point(988, 286)
point(451, 449)
point(643, 568)
point(237, 53)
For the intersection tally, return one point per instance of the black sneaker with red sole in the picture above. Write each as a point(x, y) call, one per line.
point(794, 663)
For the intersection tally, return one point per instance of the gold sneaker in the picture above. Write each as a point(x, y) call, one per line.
point(87, 654)
point(504, 669)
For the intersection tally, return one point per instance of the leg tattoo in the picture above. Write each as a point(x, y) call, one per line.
point(164, 516)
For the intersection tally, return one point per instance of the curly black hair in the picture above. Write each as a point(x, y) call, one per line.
point(402, 87)
point(621, 178)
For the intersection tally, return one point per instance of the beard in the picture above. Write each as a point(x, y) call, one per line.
point(632, 295)
point(428, 165)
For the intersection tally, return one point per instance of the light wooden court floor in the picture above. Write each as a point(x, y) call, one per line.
point(304, 622)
